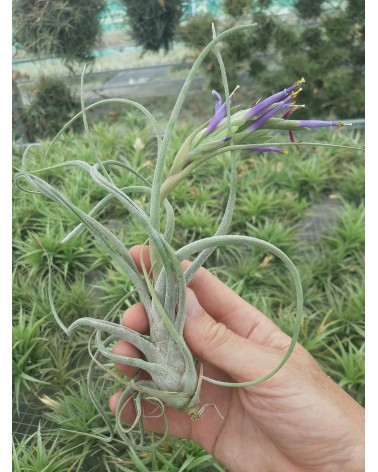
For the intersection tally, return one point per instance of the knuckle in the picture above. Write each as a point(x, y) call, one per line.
point(217, 335)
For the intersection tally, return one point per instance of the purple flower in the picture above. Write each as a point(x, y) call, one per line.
point(318, 123)
point(268, 114)
point(220, 110)
point(267, 149)
point(277, 97)
point(218, 99)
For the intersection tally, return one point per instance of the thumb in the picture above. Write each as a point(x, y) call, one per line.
point(213, 342)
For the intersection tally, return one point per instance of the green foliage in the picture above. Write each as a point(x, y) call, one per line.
point(153, 23)
point(349, 368)
point(308, 8)
point(236, 7)
point(175, 455)
point(277, 233)
point(35, 454)
point(65, 363)
point(347, 303)
point(28, 354)
point(73, 411)
point(268, 205)
point(259, 203)
point(52, 106)
point(352, 187)
point(194, 220)
point(33, 251)
point(311, 176)
point(196, 33)
point(74, 414)
point(68, 28)
point(349, 236)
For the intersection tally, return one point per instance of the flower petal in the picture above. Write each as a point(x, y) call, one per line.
point(267, 149)
point(268, 114)
point(218, 99)
point(277, 97)
point(319, 123)
point(220, 110)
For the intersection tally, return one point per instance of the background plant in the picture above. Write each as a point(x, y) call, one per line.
point(34, 454)
point(52, 105)
point(152, 23)
point(330, 52)
point(68, 28)
point(196, 32)
point(28, 354)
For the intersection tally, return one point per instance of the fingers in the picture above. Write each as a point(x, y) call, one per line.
point(222, 303)
point(125, 349)
point(135, 318)
point(241, 358)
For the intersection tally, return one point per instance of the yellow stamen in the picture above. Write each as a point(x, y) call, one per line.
point(233, 93)
point(295, 94)
point(300, 81)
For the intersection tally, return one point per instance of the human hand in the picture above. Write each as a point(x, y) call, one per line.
point(298, 420)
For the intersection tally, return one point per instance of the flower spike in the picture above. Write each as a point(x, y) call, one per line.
point(220, 135)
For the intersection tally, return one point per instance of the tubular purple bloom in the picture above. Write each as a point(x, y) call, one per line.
point(268, 114)
point(217, 118)
point(218, 98)
point(318, 123)
point(220, 111)
point(267, 149)
point(267, 102)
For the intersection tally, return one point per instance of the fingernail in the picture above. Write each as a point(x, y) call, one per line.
point(193, 308)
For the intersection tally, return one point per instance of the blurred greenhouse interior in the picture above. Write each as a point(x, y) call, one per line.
point(121, 64)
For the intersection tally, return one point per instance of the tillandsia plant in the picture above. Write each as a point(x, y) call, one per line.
point(175, 380)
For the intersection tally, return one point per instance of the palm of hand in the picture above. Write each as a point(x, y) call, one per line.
point(273, 426)
point(298, 420)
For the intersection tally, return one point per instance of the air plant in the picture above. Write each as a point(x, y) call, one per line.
point(175, 380)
